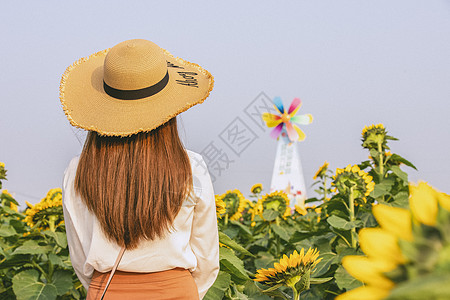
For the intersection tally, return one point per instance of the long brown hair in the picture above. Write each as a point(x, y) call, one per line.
point(134, 185)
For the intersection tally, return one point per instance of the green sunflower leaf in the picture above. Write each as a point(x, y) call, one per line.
point(398, 158)
point(26, 286)
point(62, 280)
point(281, 232)
point(324, 265)
point(400, 173)
point(242, 227)
point(341, 223)
point(382, 188)
point(304, 283)
point(225, 239)
point(270, 214)
point(344, 280)
point(32, 247)
point(319, 280)
point(7, 230)
point(5, 196)
point(56, 260)
point(59, 237)
point(433, 286)
point(232, 263)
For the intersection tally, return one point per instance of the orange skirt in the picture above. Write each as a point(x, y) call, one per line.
point(173, 284)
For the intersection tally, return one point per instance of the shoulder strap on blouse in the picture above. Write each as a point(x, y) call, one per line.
point(119, 257)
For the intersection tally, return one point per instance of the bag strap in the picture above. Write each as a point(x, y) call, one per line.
point(119, 257)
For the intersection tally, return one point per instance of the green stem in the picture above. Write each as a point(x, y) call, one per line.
point(277, 240)
point(50, 269)
point(343, 238)
point(351, 203)
point(42, 271)
point(296, 294)
point(226, 219)
point(51, 222)
point(325, 191)
point(381, 166)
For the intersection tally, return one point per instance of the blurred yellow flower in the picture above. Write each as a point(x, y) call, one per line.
point(220, 207)
point(381, 245)
point(424, 203)
point(369, 271)
point(364, 292)
point(322, 170)
point(394, 220)
point(7, 193)
point(301, 209)
point(256, 188)
point(12, 205)
point(444, 200)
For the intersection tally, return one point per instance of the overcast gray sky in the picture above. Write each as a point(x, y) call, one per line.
point(353, 63)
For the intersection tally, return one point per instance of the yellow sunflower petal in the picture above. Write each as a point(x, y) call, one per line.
point(380, 244)
point(364, 292)
point(444, 200)
point(423, 203)
point(368, 271)
point(394, 220)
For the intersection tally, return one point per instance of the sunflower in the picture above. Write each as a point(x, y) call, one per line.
point(322, 170)
point(256, 188)
point(277, 201)
point(361, 182)
point(301, 209)
point(375, 137)
point(220, 207)
point(235, 203)
point(13, 206)
point(6, 199)
point(403, 250)
point(2, 173)
point(289, 270)
point(48, 212)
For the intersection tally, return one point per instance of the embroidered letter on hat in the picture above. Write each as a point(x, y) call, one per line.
point(189, 79)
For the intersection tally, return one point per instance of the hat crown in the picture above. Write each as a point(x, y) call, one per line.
point(134, 64)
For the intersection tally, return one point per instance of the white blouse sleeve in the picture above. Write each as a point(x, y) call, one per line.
point(204, 239)
point(77, 255)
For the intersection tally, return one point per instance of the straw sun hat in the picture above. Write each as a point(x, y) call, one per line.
point(132, 87)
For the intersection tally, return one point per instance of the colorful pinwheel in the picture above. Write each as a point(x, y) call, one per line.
point(287, 120)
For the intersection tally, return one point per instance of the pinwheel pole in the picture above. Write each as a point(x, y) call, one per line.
point(287, 171)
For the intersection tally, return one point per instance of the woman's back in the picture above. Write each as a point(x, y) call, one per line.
point(193, 244)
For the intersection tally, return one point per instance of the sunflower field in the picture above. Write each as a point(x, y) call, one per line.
point(370, 234)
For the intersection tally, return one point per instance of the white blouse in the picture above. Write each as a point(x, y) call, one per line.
point(194, 245)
